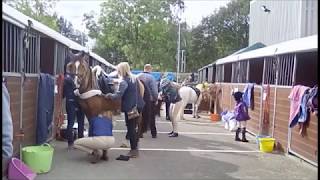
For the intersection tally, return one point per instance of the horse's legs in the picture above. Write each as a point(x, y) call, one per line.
point(196, 107)
point(181, 111)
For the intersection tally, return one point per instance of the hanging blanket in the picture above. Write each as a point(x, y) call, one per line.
point(248, 95)
point(295, 97)
point(45, 107)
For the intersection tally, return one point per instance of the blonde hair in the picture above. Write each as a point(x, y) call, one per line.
point(147, 67)
point(123, 69)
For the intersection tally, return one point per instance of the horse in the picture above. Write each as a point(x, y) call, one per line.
point(189, 95)
point(92, 84)
point(90, 96)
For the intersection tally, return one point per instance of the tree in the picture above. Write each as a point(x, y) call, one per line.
point(38, 10)
point(220, 34)
point(140, 31)
point(66, 29)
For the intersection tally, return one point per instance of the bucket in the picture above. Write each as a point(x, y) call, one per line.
point(260, 136)
point(38, 158)
point(17, 170)
point(215, 117)
point(266, 144)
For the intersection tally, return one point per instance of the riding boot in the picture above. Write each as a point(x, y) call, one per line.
point(244, 135)
point(237, 135)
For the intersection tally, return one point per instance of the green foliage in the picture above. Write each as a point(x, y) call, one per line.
point(38, 10)
point(66, 29)
point(145, 31)
point(42, 11)
point(220, 34)
point(139, 31)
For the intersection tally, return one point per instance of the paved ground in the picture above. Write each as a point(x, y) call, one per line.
point(203, 150)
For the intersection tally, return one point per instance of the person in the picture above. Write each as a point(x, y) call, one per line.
point(165, 98)
point(100, 137)
point(7, 129)
point(171, 93)
point(72, 107)
point(241, 116)
point(192, 77)
point(129, 93)
point(148, 113)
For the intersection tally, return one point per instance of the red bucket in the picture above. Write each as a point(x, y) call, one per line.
point(215, 117)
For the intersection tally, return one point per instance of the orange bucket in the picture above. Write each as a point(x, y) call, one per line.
point(215, 117)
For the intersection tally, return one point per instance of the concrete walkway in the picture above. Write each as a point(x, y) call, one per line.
point(203, 150)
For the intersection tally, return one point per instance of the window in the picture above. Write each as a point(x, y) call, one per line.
point(270, 70)
point(62, 52)
point(31, 53)
point(285, 69)
point(279, 70)
point(256, 70)
point(211, 73)
point(239, 72)
point(227, 72)
point(219, 73)
point(11, 47)
point(307, 62)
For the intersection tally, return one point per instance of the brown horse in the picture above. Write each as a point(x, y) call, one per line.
point(91, 98)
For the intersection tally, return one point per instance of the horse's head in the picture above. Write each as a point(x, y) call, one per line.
point(79, 67)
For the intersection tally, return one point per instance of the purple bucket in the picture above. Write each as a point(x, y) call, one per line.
point(19, 171)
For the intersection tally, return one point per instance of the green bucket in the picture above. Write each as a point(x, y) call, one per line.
point(38, 158)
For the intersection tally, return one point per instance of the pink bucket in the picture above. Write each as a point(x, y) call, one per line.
point(19, 171)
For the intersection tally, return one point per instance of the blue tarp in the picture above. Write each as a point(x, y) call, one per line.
point(45, 107)
point(157, 75)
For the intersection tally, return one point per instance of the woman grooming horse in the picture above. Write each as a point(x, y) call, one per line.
point(129, 93)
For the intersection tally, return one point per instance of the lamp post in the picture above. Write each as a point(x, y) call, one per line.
point(180, 7)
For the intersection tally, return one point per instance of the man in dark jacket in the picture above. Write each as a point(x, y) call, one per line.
point(72, 107)
point(148, 113)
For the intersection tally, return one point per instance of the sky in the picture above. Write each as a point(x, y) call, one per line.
point(73, 11)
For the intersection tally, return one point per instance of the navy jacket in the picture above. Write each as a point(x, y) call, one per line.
point(68, 87)
point(150, 84)
point(129, 93)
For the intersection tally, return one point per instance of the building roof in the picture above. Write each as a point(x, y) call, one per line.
point(13, 16)
point(306, 44)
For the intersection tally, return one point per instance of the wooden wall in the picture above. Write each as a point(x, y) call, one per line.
point(29, 109)
point(306, 146)
point(13, 86)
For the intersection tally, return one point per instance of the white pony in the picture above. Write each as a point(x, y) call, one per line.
point(189, 96)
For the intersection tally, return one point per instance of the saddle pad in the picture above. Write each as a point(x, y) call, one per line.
point(196, 90)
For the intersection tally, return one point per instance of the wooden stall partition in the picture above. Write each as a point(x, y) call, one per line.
point(306, 146)
point(253, 125)
point(280, 131)
point(268, 112)
point(226, 96)
point(30, 100)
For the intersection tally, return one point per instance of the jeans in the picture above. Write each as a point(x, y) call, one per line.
point(132, 132)
point(74, 111)
point(167, 108)
point(148, 115)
